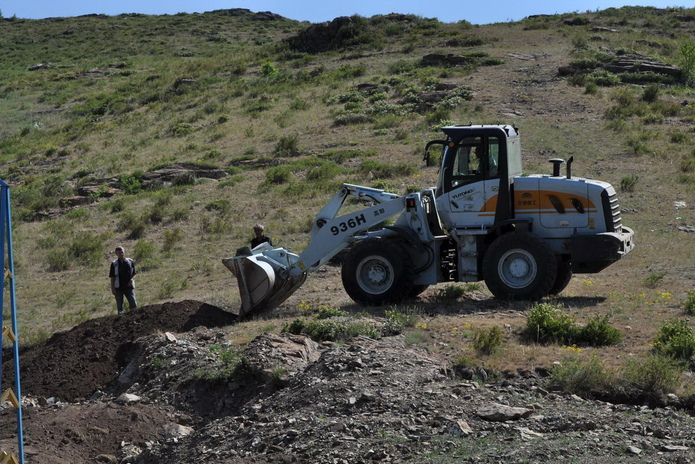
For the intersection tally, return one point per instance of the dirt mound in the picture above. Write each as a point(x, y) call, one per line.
point(72, 365)
point(295, 400)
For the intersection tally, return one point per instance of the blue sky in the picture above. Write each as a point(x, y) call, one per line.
point(474, 11)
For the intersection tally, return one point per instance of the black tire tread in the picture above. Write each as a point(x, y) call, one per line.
point(545, 261)
point(401, 262)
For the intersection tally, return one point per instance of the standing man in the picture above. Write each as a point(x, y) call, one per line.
point(260, 236)
point(122, 273)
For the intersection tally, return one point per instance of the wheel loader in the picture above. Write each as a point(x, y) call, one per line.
point(524, 235)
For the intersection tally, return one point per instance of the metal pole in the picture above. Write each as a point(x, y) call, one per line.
point(7, 230)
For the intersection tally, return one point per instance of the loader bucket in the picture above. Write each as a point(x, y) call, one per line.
point(264, 279)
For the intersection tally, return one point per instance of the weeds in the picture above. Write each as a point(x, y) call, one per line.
point(598, 332)
point(652, 281)
point(454, 292)
point(488, 341)
point(143, 250)
point(548, 324)
point(675, 340)
point(580, 376)
point(689, 305)
point(656, 374)
point(130, 183)
point(397, 321)
point(627, 184)
point(330, 330)
point(229, 362)
point(171, 238)
point(287, 146)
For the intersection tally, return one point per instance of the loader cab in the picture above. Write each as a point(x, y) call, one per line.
point(477, 167)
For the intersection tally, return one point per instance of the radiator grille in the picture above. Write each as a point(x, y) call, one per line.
point(611, 210)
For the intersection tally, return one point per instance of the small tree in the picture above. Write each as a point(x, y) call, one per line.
point(688, 66)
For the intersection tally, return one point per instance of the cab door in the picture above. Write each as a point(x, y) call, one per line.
point(470, 183)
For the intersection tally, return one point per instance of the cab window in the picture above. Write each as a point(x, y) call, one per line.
point(475, 159)
point(467, 165)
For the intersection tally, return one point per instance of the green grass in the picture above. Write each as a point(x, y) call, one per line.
point(290, 125)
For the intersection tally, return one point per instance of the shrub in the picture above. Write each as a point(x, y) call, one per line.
point(488, 341)
point(651, 93)
point(689, 305)
point(397, 321)
point(278, 175)
point(117, 205)
point(229, 363)
point(268, 69)
point(627, 184)
point(384, 170)
point(218, 225)
point(330, 330)
point(58, 260)
point(323, 172)
point(676, 340)
point(598, 332)
point(347, 119)
point(581, 377)
point(222, 205)
point(451, 292)
point(287, 146)
point(182, 129)
point(133, 225)
point(688, 63)
point(604, 78)
point(143, 250)
point(86, 247)
point(657, 374)
point(325, 312)
point(295, 327)
point(591, 88)
point(129, 183)
point(171, 238)
point(548, 324)
point(183, 179)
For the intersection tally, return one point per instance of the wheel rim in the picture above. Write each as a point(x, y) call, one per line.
point(517, 268)
point(375, 275)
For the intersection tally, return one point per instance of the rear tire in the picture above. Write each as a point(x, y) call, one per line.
point(564, 275)
point(378, 272)
point(519, 266)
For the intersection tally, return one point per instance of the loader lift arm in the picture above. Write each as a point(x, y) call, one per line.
point(268, 276)
point(331, 234)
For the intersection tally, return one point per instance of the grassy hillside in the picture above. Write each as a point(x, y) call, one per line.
point(93, 110)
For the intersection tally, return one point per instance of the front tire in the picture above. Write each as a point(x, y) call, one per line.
point(519, 266)
point(378, 272)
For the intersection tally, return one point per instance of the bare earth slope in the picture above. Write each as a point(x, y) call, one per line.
point(366, 401)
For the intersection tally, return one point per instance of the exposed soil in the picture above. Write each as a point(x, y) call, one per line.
point(148, 387)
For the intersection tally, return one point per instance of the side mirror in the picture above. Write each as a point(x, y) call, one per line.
point(430, 158)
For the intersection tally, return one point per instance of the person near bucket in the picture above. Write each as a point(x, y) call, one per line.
point(122, 273)
point(260, 237)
